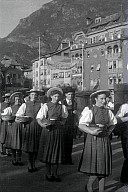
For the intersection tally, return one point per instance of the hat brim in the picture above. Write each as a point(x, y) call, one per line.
point(99, 92)
point(54, 89)
point(33, 91)
point(6, 96)
point(15, 94)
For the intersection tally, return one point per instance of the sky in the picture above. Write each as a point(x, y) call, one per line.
point(11, 11)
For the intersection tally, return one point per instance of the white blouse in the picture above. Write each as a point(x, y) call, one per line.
point(87, 115)
point(42, 113)
point(123, 110)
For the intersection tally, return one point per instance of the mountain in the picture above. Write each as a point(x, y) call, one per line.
point(53, 22)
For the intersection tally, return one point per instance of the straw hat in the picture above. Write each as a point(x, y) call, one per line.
point(33, 90)
point(49, 92)
point(15, 94)
point(99, 92)
point(6, 95)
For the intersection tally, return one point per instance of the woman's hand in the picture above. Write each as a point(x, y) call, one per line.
point(95, 132)
point(100, 125)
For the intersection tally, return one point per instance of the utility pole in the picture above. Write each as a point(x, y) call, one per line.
point(82, 67)
point(39, 67)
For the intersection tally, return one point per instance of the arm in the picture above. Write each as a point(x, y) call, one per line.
point(41, 116)
point(64, 114)
point(90, 130)
point(112, 123)
point(21, 110)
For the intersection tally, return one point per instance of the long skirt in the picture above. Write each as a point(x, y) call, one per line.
point(30, 137)
point(50, 148)
point(3, 131)
point(97, 156)
point(14, 136)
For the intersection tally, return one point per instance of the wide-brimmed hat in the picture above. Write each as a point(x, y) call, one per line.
point(51, 90)
point(33, 90)
point(6, 95)
point(13, 95)
point(99, 92)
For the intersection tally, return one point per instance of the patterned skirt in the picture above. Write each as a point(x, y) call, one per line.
point(30, 137)
point(50, 148)
point(14, 136)
point(97, 156)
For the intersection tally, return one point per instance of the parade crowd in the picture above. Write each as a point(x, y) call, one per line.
point(45, 132)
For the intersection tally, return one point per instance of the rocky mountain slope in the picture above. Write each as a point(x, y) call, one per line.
point(53, 22)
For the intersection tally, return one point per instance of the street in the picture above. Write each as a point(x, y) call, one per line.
point(17, 179)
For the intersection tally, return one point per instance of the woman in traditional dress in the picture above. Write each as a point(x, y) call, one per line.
point(31, 131)
point(52, 117)
point(98, 122)
point(14, 132)
point(4, 124)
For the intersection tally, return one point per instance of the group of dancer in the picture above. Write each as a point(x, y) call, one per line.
point(45, 132)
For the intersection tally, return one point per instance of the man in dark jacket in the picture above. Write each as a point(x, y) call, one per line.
point(69, 128)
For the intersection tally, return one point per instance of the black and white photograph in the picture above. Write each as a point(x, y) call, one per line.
point(63, 95)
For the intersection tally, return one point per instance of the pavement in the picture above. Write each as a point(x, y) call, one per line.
point(17, 179)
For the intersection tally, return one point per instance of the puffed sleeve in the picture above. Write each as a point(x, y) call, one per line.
point(64, 111)
point(7, 111)
point(42, 113)
point(86, 116)
point(123, 110)
point(21, 110)
point(112, 118)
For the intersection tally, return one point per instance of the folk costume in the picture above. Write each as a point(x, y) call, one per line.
point(50, 150)
point(4, 124)
point(14, 132)
point(31, 131)
point(98, 122)
point(97, 155)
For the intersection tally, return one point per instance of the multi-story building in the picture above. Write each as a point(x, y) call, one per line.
point(103, 59)
point(53, 69)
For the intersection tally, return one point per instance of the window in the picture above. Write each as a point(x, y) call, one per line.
point(94, 39)
point(92, 67)
point(115, 49)
point(36, 65)
point(114, 65)
point(110, 81)
point(61, 74)
point(36, 73)
point(98, 20)
point(109, 64)
point(109, 50)
point(102, 52)
point(45, 71)
point(55, 75)
point(88, 54)
point(76, 55)
point(66, 54)
point(67, 74)
point(36, 82)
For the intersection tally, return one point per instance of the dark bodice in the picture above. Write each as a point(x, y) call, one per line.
point(54, 111)
point(32, 108)
point(14, 109)
point(100, 115)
